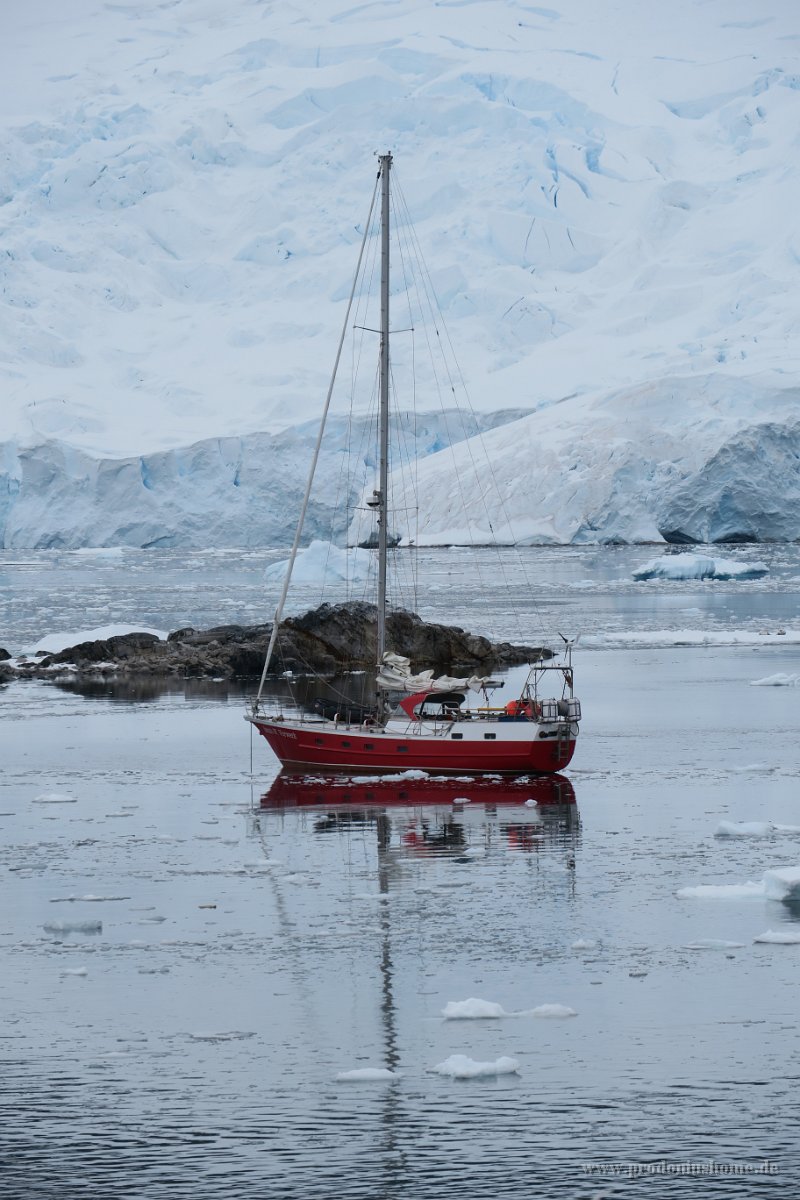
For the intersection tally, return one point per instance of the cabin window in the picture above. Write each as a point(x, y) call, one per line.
point(456, 736)
point(490, 737)
point(318, 741)
point(401, 748)
point(369, 745)
point(345, 745)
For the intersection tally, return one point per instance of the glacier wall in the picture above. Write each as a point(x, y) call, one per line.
point(242, 491)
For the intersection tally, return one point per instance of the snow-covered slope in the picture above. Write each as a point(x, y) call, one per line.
point(605, 190)
point(707, 459)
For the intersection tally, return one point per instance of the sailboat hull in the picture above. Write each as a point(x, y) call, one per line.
point(310, 747)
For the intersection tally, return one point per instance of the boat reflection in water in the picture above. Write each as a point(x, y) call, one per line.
point(436, 815)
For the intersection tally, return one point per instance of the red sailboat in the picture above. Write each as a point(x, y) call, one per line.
point(441, 726)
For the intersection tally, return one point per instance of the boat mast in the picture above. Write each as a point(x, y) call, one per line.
point(385, 161)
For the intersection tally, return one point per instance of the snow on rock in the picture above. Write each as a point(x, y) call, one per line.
point(699, 566)
point(459, 1066)
point(779, 937)
point(472, 1009)
point(54, 643)
point(179, 241)
point(367, 1074)
point(323, 563)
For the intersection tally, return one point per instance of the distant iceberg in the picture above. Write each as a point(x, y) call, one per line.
point(699, 566)
point(321, 562)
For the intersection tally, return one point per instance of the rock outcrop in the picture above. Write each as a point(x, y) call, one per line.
point(328, 640)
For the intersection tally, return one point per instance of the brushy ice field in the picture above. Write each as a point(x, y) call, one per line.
point(215, 987)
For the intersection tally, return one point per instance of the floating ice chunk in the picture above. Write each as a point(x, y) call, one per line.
point(90, 899)
point(233, 1035)
point(80, 971)
point(322, 562)
point(583, 944)
point(713, 944)
point(472, 1010)
point(154, 970)
point(779, 937)
point(461, 800)
point(475, 852)
point(699, 566)
point(54, 798)
point(367, 1074)
point(743, 829)
point(778, 680)
point(459, 1066)
point(723, 891)
point(73, 926)
point(782, 883)
point(553, 1010)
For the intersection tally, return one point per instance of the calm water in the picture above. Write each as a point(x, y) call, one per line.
point(247, 939)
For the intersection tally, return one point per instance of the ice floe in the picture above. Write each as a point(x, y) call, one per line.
point(699, 566)
point(367, 1075)
point(780, 937)
point(473, 1009)
point(556, 1011)
point(743, 829)
point(73, 927)
point(713, 944)
point(780, 883)
point(459, 1066)
point(583, 944)
point(778, 680)
point(54, 798)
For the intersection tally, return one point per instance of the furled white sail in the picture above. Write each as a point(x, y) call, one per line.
point(395, 676)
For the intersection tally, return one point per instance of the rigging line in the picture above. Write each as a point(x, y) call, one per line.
point(435, 308)
point(428, 304)
point(298, 534)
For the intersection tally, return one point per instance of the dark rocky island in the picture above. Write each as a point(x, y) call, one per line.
point(328, 640)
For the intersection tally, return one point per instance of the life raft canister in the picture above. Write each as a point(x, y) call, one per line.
point(519, 708)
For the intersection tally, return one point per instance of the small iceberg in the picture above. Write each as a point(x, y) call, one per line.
point(367, 1074)
point(54, 798)
point(781, 883)
point(743, 829)
point(459, 1066)
point(556, 1011)
point(473, 1010)
point(778, 680)
point(321, 562)
point(713, 944)
point(699, 566)
point(73, 927)
point(779, 937)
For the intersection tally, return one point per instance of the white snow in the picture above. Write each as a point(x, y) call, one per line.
point(780, 937)
point(459, 1066)
point(182, 202)
point(367, 1074)
point(699, 566)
